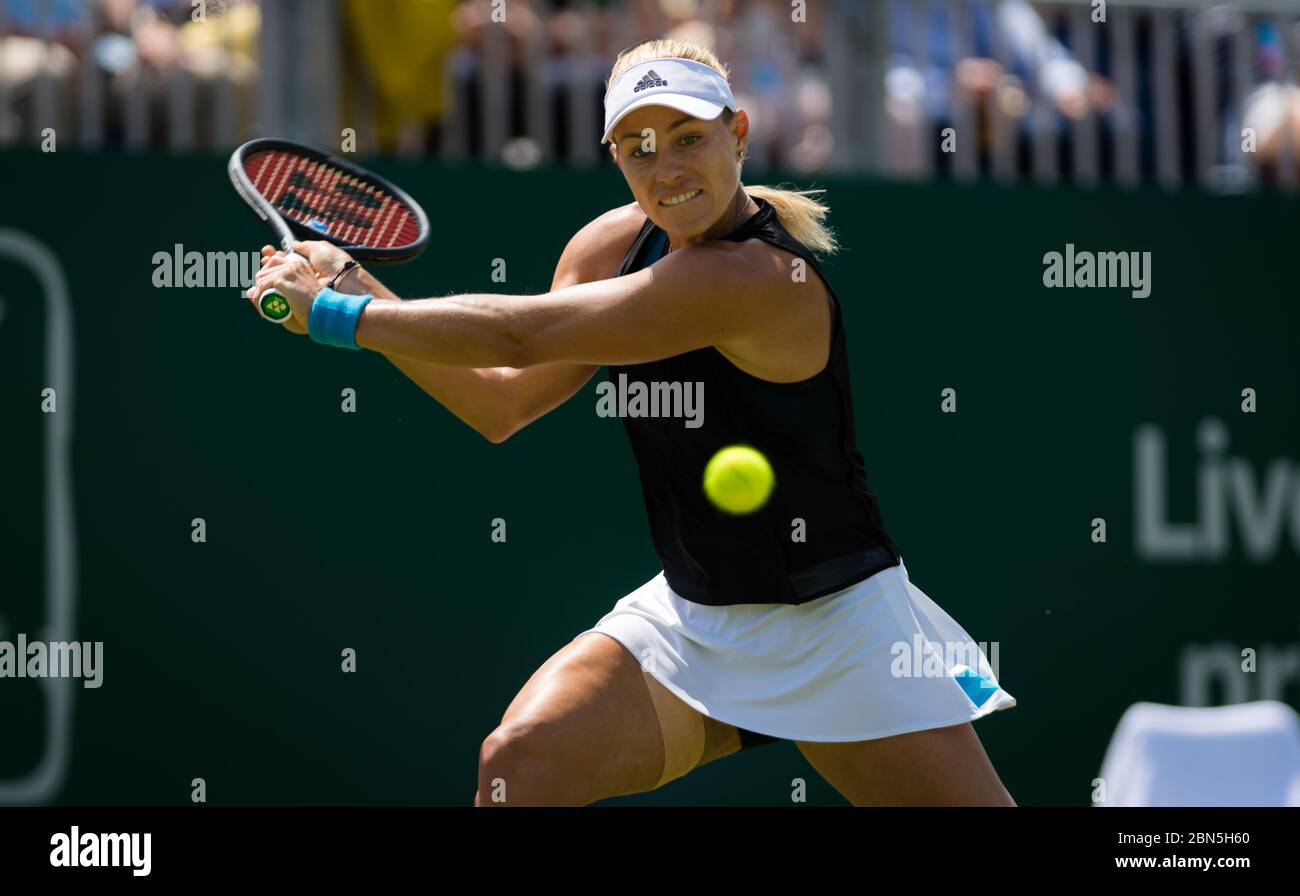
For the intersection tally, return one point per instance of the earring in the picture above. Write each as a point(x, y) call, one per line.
point(744, 154)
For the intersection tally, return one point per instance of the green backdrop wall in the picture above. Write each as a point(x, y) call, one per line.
point(222, 659)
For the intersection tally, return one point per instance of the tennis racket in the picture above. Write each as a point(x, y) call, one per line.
point(304, 194)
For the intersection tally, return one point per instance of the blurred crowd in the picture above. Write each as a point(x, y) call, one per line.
point(1041, 80)
point(124, 48)
point(778, 71)
point(415, 71)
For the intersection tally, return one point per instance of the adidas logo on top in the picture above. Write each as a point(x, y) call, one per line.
point(650, 80)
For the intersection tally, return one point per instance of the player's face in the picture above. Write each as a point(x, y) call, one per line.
point(682, 170)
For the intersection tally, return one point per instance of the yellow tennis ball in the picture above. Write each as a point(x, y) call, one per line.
point(738, 479)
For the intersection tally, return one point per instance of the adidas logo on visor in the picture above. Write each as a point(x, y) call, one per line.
point(650, 80)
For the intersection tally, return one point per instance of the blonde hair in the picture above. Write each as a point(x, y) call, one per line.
point(800, 211)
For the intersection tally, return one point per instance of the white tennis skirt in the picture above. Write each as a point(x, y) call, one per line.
point(876, 659)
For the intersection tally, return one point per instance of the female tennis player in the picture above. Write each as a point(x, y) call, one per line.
point(796, 622)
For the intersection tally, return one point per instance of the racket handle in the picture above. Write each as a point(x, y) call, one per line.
point(273, 306)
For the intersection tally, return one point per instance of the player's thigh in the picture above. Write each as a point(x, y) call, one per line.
point(591, 724)
point(938, 767)
point(690, 738)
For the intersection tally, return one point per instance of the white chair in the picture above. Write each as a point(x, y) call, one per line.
point(1247, 754)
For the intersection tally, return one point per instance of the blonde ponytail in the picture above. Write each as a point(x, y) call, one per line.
point(801, 214)
point(799, 211)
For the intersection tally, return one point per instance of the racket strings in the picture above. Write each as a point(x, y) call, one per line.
point(332, 201)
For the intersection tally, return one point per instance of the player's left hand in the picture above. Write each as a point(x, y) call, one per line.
point(271, 257)
point(295, 280)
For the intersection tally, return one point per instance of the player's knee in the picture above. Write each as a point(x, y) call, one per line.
point(520, 763)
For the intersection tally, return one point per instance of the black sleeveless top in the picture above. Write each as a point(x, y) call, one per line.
point(806, 431)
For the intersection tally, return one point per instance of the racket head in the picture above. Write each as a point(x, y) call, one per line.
point(305, 194)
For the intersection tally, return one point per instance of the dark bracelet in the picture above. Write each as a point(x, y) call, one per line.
point(347, 266)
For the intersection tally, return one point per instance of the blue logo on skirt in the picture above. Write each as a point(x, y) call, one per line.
point(977, 687)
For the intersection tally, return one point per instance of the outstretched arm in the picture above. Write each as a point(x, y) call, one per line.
point(494, 401)
point(475, 397)
point(711, 294)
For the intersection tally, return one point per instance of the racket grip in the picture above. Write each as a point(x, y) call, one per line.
point(273, 306)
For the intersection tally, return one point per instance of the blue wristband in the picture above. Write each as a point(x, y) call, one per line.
point(333, 318)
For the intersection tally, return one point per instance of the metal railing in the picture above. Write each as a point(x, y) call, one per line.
point(1185, 85)
point(174, 74)
point(859, 86)
point(1180, 78)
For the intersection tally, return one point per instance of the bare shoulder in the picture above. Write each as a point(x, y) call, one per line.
point(758, 267)
point(793, 300)
point(596, 251)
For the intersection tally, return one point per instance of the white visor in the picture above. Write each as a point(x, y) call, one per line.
point(683, 84)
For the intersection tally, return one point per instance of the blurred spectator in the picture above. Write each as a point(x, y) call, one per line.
point(402, 47)
point(683, 21)
point(62, 21)
point(141, 53)
point(783, 87)
point(139, 50)
point(553, 36)
point(40, 40)
point(1271, 110)
point(220, 53)
point(920, 98)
